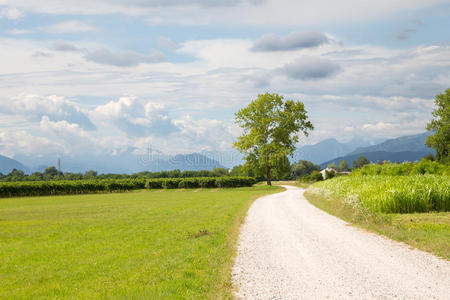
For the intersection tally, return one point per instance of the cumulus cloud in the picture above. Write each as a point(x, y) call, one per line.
point(56, 108)
point(124, 58)
point(293, 41)
point(14, 142)
point(308, 67)
point(135, 117)
point(380, 126)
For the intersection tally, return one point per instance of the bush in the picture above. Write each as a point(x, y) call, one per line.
point(314, 176)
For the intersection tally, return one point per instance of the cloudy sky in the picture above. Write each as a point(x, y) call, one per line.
point(79, 77)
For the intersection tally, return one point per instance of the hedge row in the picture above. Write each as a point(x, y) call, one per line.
point(60, 187)
point(200, 182)
point(66, 187)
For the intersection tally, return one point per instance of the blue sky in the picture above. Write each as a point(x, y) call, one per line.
point(102, 77)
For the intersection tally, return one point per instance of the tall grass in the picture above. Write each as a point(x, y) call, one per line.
point(393, 194)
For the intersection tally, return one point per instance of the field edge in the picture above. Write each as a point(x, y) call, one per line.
point(428, 232)
point(225, 289)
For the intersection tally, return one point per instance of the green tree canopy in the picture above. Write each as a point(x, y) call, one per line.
point(303, 168)
point(343, 166)
point(440, 124)
point(271, 126)
point(361, 161)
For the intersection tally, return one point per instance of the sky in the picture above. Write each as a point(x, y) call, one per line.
point(82, 78)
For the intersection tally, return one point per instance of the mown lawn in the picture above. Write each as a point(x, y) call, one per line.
point(145, 244)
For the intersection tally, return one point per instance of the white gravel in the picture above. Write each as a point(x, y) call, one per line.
point(289, 249)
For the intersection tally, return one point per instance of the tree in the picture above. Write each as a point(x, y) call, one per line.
point(90, 174)
point(343, 166)
point(361, 161)
point(332, 166)
point(51, 172)
point(302, 168)
point(440, 124)
point(271, 125)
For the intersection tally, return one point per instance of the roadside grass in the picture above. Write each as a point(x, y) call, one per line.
point(426, 231)
point(171, 244)
point(297, 183)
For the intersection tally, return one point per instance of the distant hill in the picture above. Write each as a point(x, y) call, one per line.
point(8, 164)
point(405, 148)
point(326, 149)
point(414, 143)
point(379, 155)
point(128, 163)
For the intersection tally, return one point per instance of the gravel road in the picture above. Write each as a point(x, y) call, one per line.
point(289, 249)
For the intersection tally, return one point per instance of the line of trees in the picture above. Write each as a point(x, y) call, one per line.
point(52, 173)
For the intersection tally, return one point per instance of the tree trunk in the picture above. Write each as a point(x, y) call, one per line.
point(269, 180)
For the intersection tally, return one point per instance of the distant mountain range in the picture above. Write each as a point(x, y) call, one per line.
point(405, 148)
point(415, 143)
point(125, 163)
point(327, 149)
point(7, 164)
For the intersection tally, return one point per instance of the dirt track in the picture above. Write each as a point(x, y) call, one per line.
point(289, 249)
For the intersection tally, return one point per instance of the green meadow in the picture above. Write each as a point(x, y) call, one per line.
point(144, 244)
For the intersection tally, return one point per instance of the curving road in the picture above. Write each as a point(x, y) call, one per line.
point(289, 249)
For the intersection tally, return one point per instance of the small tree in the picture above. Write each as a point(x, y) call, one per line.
point(271, 126)
point(343, 166)
point(440, 124)
point(332, 166)
point(361, 161)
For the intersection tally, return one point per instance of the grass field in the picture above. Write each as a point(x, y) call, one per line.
point(145, 244)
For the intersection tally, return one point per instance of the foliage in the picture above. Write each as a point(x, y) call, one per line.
point(440, 124)
point(343, 166)
point(302, 168)
point(407, 168)
point(361, 161)
point(65, 187)
point(332, 166)
point(139, 245)
point(314, 176)
point(271, 125)
point(17, 175)
point(393, 194)
point(329, 174)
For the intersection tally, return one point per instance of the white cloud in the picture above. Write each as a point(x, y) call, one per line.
point(10, 13)
point(19, 31)
point(34, 107)
point(124, 58)
point(135, 117)
point(270, 12)
point(67, 27)
point(166, 43)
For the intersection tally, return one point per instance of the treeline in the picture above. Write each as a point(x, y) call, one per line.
point(51, 173)
point(67, 187)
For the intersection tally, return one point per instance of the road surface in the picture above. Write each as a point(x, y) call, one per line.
point(289, 249)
